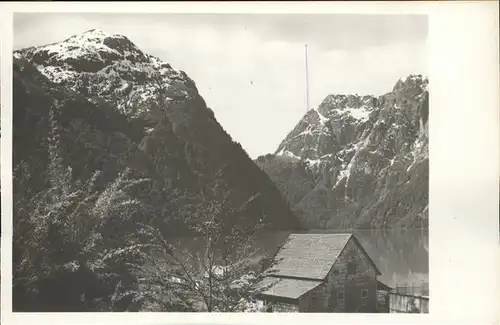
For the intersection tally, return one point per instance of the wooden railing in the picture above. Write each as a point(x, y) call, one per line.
point(413, 289)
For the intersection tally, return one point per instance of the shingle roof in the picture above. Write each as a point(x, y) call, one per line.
point(309, 256)
point(288, 288)
point(382, 286)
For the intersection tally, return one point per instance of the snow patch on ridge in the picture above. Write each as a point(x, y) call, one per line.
point(313, 162)
point(290, 154)
point(124, 78)
point(56, 74)
point(360, 114)
point(346, 173)
point(323, 120)
point(88, 43)
point(286, 153)
point(307, 131)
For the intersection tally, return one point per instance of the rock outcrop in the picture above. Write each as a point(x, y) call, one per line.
point(359, 161)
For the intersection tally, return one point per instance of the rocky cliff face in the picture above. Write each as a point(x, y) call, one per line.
point(118, 107)
point(359, 161)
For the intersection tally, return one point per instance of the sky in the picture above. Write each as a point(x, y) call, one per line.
point(250, 68)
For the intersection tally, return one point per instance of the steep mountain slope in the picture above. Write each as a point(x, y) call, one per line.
point(359, 161)
point(116, 108)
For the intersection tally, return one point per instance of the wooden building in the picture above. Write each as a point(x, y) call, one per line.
point(383, 291)
point(321, 273)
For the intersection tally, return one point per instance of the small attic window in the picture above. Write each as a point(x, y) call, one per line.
point(364, 293)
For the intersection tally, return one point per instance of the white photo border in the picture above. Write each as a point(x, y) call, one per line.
point(464, 256)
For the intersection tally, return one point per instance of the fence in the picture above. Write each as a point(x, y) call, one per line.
point(413, 289)
point(405, 303)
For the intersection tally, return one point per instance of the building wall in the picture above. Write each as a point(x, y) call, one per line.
point(401, 303)
point(315, 301)
point(324, 297)
point(382, 301)
point(281, 307)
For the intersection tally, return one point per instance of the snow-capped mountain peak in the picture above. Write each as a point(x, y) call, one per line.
point(357, 149)
point(110, 67)
point(94, 34)
point(94, 45)
point(117, 111)
point(415, 80)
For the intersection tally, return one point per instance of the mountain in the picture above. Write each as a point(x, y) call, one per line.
point(359, 161)
point(118, 108)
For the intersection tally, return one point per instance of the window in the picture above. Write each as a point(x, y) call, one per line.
point(352, 268)
point(340, 296)
point(335, 272)
point(364, 293)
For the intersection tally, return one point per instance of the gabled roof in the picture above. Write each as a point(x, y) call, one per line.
point(288, 288)
point(367, 255)
point(311, 256)
point(382, 286)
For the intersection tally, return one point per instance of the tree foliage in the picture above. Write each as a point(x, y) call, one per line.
point(219, 274)
point(99, 201)
point(82, 248)
point(71, 239)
